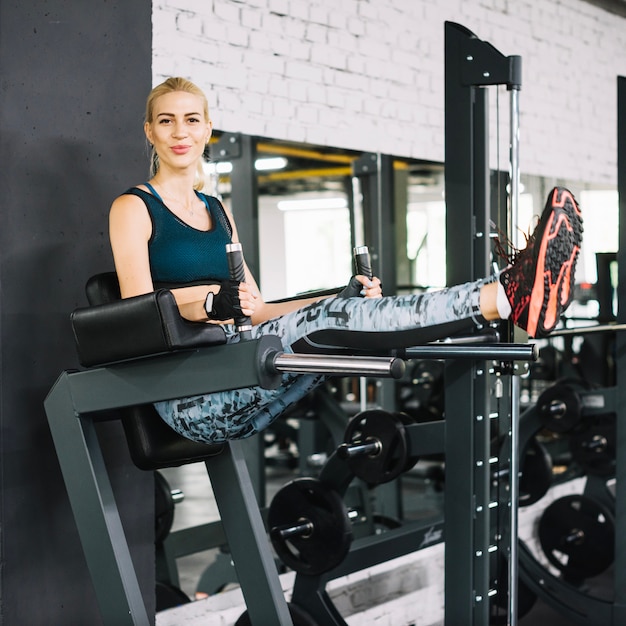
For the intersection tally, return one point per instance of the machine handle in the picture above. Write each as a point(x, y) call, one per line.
point(362, 261)
point(234, 254)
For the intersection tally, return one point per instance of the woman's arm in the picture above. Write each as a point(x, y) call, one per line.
point(130, 229)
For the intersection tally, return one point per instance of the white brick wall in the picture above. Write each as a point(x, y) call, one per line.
point(368, 75)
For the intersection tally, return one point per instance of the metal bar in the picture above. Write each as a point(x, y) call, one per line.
point(247, 538)
point(586, 330)
point(383, 367)
point(513, 503)
point(459, 507)
point(97, 518)
point(619, 616)
point(503, 352)
point(515, 170)
point(515, 386)
point(176, 375)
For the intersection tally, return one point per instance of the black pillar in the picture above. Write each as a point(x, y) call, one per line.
point(74, 77)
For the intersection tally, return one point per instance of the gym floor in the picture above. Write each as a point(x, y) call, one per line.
point(198, 507)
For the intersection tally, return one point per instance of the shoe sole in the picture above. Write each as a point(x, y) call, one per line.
point(558, 249)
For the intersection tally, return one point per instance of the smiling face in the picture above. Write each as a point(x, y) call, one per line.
point(179, 129)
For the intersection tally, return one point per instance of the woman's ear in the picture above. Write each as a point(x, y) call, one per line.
point(148, 131)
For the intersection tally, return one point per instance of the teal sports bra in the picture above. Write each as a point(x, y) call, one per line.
point(178, 252)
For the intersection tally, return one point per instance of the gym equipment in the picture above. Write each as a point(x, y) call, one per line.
point(140, 351)
point(536, 473)
point(165, 500)
point(298, 616)
point(575, 532)
point(579, 604)
point(560, 407)
point(168, 596)
point(310, 526)
point(368, 433)
point(577, 535)
point(471, 65)
point(594, 444)
point(498, 609)
point(376, 446)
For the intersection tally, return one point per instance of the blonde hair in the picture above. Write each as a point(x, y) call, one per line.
point(170, 85)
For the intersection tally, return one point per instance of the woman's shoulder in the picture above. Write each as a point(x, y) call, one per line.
point(133, 200)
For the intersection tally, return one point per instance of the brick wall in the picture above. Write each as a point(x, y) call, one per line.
point(368, 75)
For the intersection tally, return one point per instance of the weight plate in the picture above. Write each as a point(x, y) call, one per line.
point(299, 617)
point(535, 473)
point(577, 535)
point(168, 596)
point(392, 457)
point(163, 508)
point(560, 408)
point(593, 447)
point(407, 420)
point(326, 533)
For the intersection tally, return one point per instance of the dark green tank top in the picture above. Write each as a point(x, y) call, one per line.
point(180, 253)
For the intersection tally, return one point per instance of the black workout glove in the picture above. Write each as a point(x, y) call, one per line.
point(352, 289)
point(225, 304)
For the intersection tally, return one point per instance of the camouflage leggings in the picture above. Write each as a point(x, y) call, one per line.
point(239, 413)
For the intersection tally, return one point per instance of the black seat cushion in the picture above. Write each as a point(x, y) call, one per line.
point(151, 442)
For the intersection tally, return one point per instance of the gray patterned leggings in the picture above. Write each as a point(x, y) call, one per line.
point(235, 414)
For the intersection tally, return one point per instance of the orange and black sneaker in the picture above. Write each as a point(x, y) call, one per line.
point(539, 284)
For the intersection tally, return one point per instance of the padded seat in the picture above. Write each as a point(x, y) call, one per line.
point(152, 443)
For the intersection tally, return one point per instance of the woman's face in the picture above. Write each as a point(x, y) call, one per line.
point(179, 130)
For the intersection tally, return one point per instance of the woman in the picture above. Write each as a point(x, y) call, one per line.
point(166, 232)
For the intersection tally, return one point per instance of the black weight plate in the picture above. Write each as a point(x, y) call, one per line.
point(392, 459)
point(560, 408)
point(299, 617)
point(168, 596)
point(163, 508)
point(329, 540)
point(593, 447)
point(407, 420)
point(535, 473)
point(577, 535)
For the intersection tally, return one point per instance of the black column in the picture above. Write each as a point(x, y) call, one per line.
point(74, 77)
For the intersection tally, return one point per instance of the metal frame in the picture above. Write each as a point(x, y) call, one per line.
point(470, 65)
point(619, 610)
point(375, 174)
point(423, 438)
point(79, 399)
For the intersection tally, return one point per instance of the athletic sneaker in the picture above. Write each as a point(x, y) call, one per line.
point(539, 283)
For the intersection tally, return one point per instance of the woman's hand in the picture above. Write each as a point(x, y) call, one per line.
point(372, 287)
point(249, 299)
point(362, 287)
